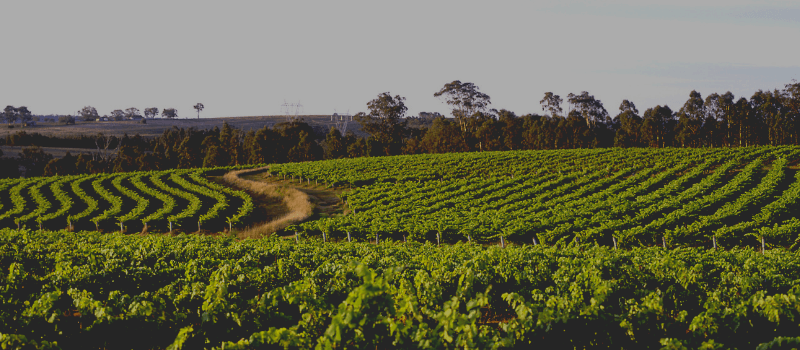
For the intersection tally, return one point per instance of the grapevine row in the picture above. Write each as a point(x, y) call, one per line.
point(194, 202)
point(167, 202)
point(213, 212)
point(247, 202)
point(141, 202)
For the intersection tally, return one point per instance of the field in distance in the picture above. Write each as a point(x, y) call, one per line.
point(155, 127)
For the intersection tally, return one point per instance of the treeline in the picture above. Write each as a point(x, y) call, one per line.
point(718, 120)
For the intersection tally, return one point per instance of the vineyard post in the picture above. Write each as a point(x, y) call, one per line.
point(376, 238)
point(170, 225)
point(323, 237)
point(121, 228)
point(664, 242)
point(437, 239)
point(348, 236)
point(615, 242)
point(295, 237)
point(469, 239)
point(762, 245)
point(404, 238)
point(714, 239)
point(502, 242)
point(535, 243)
point(198, 225)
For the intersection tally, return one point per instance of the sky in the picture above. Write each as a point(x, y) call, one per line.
point(246, 58)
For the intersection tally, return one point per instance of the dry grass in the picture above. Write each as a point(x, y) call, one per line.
point(56, 152)
point(156, 127)
point(297, 202)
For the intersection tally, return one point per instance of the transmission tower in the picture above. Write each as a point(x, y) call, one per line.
point(341, 120)
point(291, 110)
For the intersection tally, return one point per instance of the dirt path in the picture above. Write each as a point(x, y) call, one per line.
point(280, 203)
point(326, 200)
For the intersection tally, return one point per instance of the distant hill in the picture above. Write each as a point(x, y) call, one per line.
point(154, 127)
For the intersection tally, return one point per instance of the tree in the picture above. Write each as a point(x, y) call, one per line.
point(262, 149)
point(215, 155)
point(590, 108)
point(430, 115)
point(88, 113)
point(190, 150)
point(769, 108)
point(791, 93)
point(552, 103)
point(305, 150)
point(10, 114)
point(384, 123)
point(512, 129)
point(629, 125)
point(334, 147)
point(199, 107)
point(466, 100)
point(656, 124)
point(690, 120)
point(24, 115)
point(62, 166)
point(170, 113)
point(443, 136)
point(132, 112)
point(151, 112)
point(357, 148)
point(719, 112)
point(126, 158)
point(117, 115)
point(742, 120)
point(34, 159)
point(229, 143)
point(490, 135)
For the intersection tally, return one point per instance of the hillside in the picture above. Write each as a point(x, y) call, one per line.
point(612, 197)
point(625, 197)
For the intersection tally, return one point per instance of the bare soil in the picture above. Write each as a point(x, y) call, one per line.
point(279, 203)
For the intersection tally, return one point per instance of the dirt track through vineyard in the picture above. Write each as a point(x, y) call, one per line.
point(281, 203)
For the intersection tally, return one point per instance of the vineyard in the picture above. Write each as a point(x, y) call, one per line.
point(129, 202)
point(670, 197)
point(614, 197)
point(610, 248)
point(111, 291)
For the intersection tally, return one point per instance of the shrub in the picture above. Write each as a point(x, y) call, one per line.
point(66, 119)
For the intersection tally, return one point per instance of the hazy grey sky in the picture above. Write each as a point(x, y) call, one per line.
point(245, 58)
